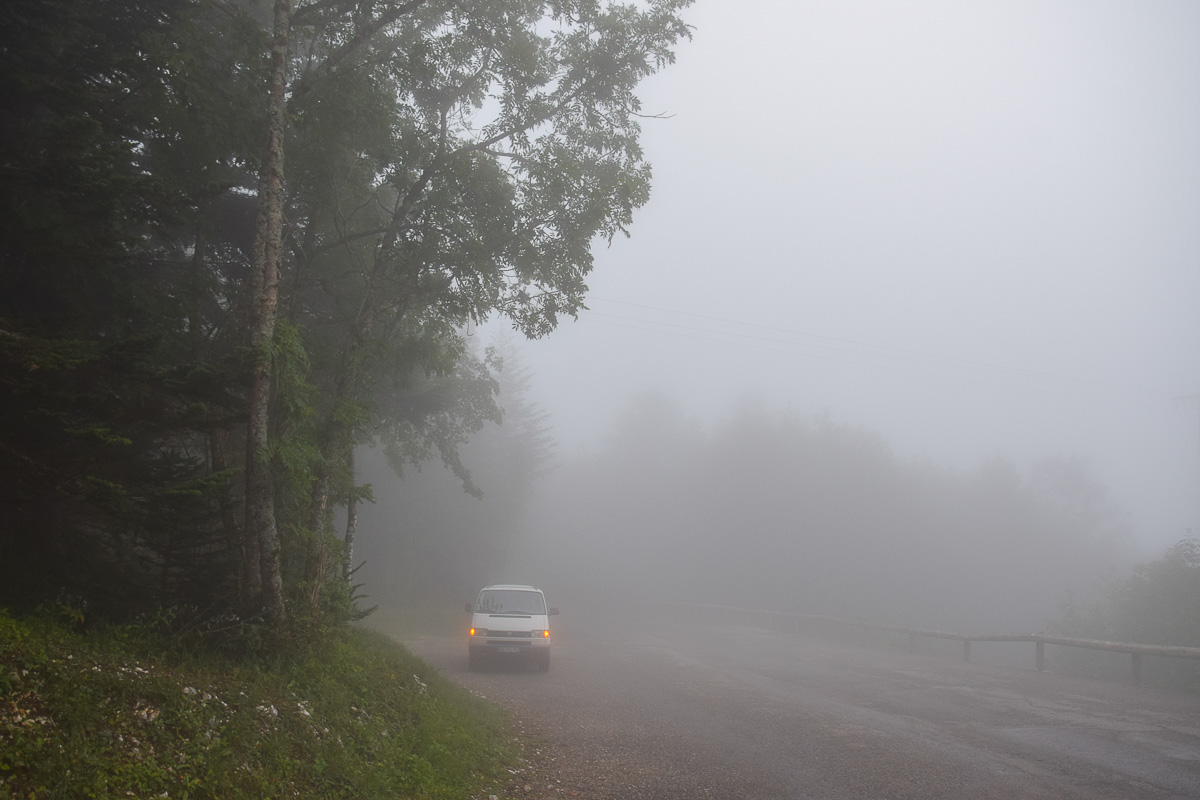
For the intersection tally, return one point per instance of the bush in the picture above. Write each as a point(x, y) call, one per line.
point(1159, 603)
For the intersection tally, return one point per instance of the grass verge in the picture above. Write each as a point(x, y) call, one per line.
point(118, 712)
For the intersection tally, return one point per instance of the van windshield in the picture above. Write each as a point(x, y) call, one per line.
point(510, 601)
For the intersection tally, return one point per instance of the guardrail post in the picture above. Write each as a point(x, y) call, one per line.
point(967, 650)
point(1041, 655)
point(1137, 668)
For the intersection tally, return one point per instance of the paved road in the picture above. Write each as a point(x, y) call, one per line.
point(732, 712)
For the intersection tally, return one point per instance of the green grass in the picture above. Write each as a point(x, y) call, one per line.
point(427, 619)
point(118, 712)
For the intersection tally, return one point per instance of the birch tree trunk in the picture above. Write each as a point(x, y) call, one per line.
point(351, 519)
point(261, 533)
point(319, 530)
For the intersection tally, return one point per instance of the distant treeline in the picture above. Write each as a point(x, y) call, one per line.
point(779, 511)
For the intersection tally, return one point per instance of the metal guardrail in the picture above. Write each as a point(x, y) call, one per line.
point(1040, 640)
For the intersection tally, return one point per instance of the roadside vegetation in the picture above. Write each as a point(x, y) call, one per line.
point(145, 709)
point(198, 334)
point(1157, 603)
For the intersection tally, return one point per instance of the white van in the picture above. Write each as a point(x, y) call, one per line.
point(509, 620)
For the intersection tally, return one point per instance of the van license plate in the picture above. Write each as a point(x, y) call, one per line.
point(509, 649)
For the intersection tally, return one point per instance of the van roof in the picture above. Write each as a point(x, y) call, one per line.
point(511, 586)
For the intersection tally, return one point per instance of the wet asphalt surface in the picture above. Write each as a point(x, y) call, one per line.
point(684, 711)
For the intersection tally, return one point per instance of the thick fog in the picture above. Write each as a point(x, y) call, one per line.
point(973, 227)
point(908, 329)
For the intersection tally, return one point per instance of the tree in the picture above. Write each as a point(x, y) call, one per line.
point(1156, 603)
point(110, 385)
point(262, 569)
point(195, 285)
point(1159, 603)
point(484, 150)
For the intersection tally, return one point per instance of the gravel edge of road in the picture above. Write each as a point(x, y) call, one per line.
point(536, 778)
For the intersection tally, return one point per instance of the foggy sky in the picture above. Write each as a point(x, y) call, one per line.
point(972, 227)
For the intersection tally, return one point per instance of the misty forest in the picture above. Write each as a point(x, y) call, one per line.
point(248, 253)
point(240, 244)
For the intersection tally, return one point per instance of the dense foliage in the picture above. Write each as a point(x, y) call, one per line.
point(1158, 603)
point(183, 385)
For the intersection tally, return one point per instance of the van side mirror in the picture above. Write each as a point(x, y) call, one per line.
point(469, 609)
point(553, 611)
